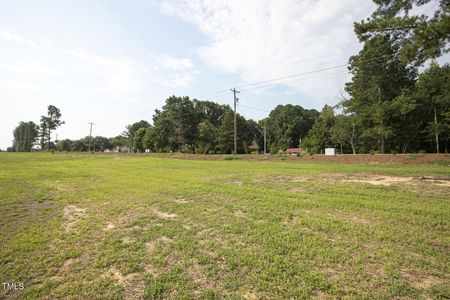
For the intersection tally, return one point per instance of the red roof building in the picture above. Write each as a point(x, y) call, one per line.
point(293, 150)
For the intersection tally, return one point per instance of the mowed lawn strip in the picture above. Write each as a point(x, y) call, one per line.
point(114, 227)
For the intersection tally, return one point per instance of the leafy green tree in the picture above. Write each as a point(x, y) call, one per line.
point(118, 141)
point(138, 140)
point(287, 124)
point(164, 131)
point(65, 145)
point(320, 135)
point(433, 93)
point(379, 77)
point(418, 37)
point(207, 137)
point(341, 131)
point(176, 124)
point(225, 134)
point(48, 123)
point(43, 136)
point(211, 111)
point(149, 141)
point(80, 145)
point(256, 133)
point(25, 136)
point(131, 130)
point(101, 143)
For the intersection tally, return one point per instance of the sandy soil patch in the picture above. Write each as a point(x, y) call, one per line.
point(63, 270)
point(150, 269)
point(297, 190)
point(208, 235)
point(395, 180)
point(164, 215)
point(127, 240)
point(353, 218)
point(72, 214)
point(197, 274)
point(132, 284)
point(181, 201)
point(418, 281)
point(109, 226)
point(239, 213)
point(250, 296)
point(151, 245)
point(383, 180)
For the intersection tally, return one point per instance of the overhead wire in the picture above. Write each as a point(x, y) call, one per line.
point(273, 81)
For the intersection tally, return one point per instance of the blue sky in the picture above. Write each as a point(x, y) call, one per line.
point(114, 62)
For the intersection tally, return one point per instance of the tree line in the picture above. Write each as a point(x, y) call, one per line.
point(398, 101)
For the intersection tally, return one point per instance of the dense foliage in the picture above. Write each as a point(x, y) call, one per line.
point(398, 101)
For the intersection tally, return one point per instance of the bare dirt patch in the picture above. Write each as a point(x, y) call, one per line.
point(381, 180)
point(418, 281)
point(197, 274)
point(127, 240)
point(209, 235)
point(353, 218)
point(72, 215)
point(181, 201)
point(297, 190)
point(64, 270)
point(363, 178)
point(132, 284)
point(239, 213)
point(395, 180)
point(164, 215)
point(150, 269)
point(109, 226)
point(151, 245)
point(250, 296)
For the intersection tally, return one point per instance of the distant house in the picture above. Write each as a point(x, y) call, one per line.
point(122, 149)
point(254, 147)
point(294, 151)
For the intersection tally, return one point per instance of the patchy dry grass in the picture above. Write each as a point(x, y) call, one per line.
point(110, 227)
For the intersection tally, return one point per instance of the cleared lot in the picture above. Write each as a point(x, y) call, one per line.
point(106, 226)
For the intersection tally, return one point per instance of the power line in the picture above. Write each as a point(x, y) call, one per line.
point(254, 108)
point(284, 82)
point(254, 85)
point(295, 80)
point(296, 75)
point(291, 76)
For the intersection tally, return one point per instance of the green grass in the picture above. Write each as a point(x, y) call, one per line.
point(111, 227)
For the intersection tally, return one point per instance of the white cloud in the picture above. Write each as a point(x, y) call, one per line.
point(173, 63)
point(263, 39)
point(180, 80)
point(8, 35)
point(119, 74)
point(28, 65)
point(174, 72)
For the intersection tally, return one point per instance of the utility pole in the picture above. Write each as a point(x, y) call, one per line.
point(235, 126)
point(90, 135)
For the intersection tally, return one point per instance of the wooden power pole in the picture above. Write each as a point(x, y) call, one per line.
point(235, 119)
point(90, 136)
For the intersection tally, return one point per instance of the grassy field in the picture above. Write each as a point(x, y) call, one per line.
point(110, 227)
